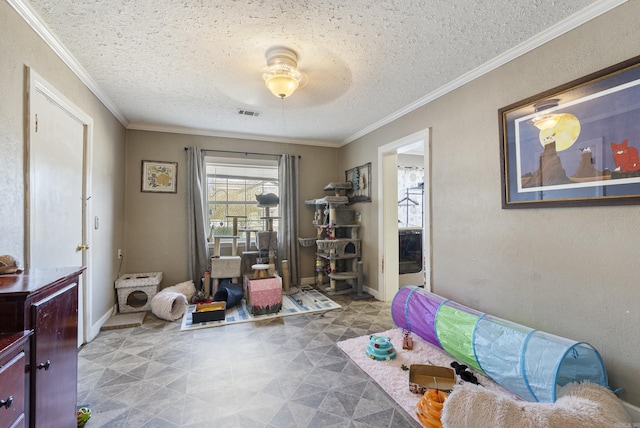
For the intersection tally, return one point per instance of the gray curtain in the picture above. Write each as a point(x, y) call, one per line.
point(196, 186)
point(288, 230)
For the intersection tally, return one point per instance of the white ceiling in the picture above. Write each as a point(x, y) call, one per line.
point(188, 66)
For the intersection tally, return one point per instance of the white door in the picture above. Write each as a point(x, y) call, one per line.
point(56, 185)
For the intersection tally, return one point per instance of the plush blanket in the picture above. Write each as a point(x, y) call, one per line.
point(170, 303)
point(578, 405)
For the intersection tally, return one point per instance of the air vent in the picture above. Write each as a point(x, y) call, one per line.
point(248, 112)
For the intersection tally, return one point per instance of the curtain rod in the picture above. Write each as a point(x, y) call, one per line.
point(241, 153)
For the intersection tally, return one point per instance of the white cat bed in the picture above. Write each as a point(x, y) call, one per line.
point(171, 302)
point(578, 405)
point(136, 290)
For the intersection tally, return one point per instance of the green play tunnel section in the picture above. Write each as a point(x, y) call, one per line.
point(530, 363)
point(454, 328)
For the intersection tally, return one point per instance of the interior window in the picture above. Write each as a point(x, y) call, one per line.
point(232, 186)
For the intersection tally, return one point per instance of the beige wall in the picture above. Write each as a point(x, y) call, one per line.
point(568, 271)
point(20, 47)
point(156, 230)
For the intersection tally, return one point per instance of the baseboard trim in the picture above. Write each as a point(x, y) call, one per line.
point(95, 329)
point(311, 281)
point(374, 293)
point(634, 411)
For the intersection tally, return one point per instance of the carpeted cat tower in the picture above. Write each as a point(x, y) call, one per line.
point(530, 363)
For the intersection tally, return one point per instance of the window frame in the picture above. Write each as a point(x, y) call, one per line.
point(225, 165)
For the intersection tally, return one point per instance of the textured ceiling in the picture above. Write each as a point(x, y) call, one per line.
point(190, 65)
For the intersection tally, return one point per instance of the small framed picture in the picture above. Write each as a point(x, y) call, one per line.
point(360, 178)
point(159, 177)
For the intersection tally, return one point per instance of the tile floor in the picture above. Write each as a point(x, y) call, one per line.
point(285, 372)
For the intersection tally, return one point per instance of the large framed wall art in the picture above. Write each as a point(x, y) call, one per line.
point(574, 145)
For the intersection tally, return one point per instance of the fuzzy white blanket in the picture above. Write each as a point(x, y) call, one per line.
point(170, 303)
point(491, 405)
point(578, 405)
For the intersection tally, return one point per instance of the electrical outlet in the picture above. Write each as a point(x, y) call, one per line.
point(119, 253)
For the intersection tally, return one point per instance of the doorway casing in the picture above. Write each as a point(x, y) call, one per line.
point(388, 211)
point(36, 86)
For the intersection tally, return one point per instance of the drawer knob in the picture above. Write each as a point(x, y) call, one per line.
point(44, 365)
point(6, 403)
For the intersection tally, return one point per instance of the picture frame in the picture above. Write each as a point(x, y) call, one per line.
point(576, 144)
point(360, 178)
point(159, 177)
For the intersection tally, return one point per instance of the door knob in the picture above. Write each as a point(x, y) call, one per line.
point(81, 247)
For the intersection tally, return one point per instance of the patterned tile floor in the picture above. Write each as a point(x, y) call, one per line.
point(285, 372)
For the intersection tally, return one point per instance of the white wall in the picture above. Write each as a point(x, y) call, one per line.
point(569, 271)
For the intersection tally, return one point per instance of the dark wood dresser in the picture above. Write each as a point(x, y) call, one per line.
point(13, 379)
point(40, 308)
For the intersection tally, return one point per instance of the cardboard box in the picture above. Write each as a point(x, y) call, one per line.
point(204, 312)
point(264, 296)
point(423, 377)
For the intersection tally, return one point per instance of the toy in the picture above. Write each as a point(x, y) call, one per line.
point(465, 375)
point(83, 415)
point(429, 408)
point(380, 348)
point(407, 341)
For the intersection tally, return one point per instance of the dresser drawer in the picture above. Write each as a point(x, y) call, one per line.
point(12, 379)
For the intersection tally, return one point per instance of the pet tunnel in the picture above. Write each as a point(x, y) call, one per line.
point(417, 315)
point(530, 363)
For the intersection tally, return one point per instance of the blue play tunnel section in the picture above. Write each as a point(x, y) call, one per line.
point(530, 363)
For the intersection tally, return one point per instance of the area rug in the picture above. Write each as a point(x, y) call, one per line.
point(389, 374)
point(307, 301)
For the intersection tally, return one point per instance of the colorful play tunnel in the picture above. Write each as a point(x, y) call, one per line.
point(530, 363)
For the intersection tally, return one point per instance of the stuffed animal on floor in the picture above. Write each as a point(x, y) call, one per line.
point(465, 375)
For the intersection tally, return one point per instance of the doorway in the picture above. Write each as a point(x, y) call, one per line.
point(57, 199)
point(388, 231)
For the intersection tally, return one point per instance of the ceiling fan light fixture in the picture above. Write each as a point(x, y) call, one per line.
point(282, 77)
point(282, 83)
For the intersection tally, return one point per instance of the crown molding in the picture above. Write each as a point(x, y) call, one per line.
point(234, 135)
point(590, 12)
point(36, 23)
